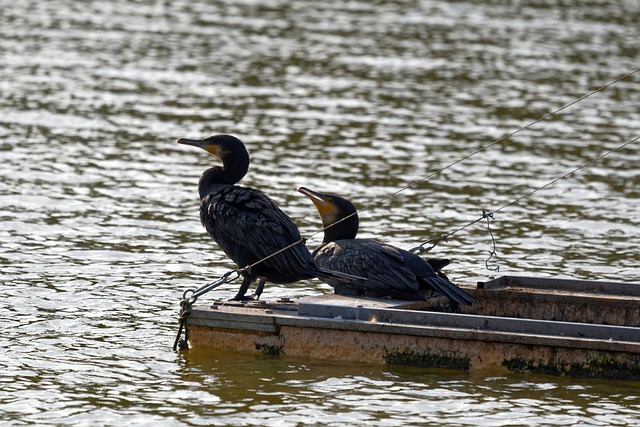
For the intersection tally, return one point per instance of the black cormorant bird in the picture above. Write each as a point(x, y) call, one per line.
point(389, 271)
point(247, 224)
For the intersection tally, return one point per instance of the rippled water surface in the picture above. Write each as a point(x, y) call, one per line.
point(99, 231)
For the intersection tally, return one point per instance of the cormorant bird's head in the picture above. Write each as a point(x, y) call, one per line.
point(230, 150)
point(339, 215)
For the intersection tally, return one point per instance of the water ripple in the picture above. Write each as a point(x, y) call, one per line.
point(99, 222)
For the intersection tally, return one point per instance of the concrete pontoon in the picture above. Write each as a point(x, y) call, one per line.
point(522, 324)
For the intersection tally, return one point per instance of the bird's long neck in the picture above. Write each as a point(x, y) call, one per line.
point(211, 180)
point(344, 230)
point(233, 169)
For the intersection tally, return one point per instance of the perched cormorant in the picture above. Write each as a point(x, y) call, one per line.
point(247, 224)
point(389, 271)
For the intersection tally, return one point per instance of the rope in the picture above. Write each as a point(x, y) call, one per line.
point(435, 241)
point(186, 303)
point(618, 148)
point(432, 174)
point(189, 297)
point(473, 153)
point(185, 311)
point(489, 216)
point(504, 137)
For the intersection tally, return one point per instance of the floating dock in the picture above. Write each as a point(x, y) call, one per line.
point(522, 324)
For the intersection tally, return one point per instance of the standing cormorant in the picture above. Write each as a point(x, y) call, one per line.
point(247, 224)
point(389, 271)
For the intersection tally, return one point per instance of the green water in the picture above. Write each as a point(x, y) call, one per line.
point(99, 231)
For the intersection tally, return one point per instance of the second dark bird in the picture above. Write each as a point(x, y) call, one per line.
point(388, 270)
point(247, 224)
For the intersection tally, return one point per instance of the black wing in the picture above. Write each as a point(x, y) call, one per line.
point(249, 226)
point(435, 280)
point(381, 265)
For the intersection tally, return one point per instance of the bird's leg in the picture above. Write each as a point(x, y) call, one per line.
point(241, 295)
point(259, 289)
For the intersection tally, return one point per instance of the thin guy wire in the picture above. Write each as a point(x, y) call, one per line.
point(513, 202)
point(509, 135)
point(535, 190)
point(479, 150)
point(432, 174)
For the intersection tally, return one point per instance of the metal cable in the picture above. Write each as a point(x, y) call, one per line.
point(479, 150)
point(435, 241)
point(421, 248)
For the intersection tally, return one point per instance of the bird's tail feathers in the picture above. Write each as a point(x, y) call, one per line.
point(450, 290)
point(438, 263)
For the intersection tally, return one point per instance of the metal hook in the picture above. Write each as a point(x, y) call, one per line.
point(420, 249)
point(489, 216)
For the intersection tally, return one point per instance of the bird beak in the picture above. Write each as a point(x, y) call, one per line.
point(200, 143)
point(193, 142)
point(323, 205)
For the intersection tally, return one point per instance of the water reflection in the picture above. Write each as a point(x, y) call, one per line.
point(256, 390)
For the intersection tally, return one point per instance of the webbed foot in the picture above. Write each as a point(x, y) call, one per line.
point(243, 297)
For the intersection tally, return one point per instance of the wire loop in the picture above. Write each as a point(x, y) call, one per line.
point(489, 216)
point(187, 301)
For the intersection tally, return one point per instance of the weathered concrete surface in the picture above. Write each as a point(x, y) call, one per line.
point(565, 300)
point(425, 351)
point(361, 330)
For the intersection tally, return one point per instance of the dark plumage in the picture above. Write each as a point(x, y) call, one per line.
point(388, 270)
point(247, 224)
